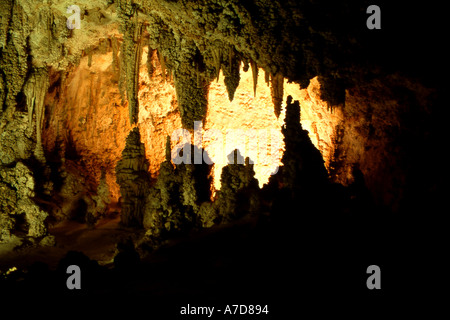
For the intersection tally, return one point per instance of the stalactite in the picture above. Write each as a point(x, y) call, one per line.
point(89, 57)
point(232, 73)
point(35, 90)
point(197, 71)
point(246, 64)
point(217, 61)
point(254, 67)
point(103, 46)
point(116, 61)
point(134, 111)
point(132, 29)
point(168, 149)
point(230, 59)
point(150, 68)
point(14, 56)
point(162, 63)
point(122, 75)
point(267, 77)
point(277, 93)
point(191, 86)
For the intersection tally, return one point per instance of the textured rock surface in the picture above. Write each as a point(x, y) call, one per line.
point(69, 98)
point(21, 213)
point(133, 179)
point(88, 120)
point(239, 193)
point(16, 142)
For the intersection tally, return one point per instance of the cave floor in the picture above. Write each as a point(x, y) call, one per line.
point(97, 243)
point(248, 261)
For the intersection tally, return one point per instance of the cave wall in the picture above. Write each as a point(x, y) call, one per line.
point(381, 131)
point(90, 121)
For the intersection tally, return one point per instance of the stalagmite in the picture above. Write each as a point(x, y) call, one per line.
point(133, 178)
point(277, 93)
point(35, 90)
point(254, 67)
point(162, 63)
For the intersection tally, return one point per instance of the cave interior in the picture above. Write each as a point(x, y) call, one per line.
point(217, 151)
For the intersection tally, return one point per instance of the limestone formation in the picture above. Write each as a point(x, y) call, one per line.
point(277, 93)
point(132, 28)
point(133, 179)
point(231, 72)
point(255, 75)
point(303, 164)
point(239, 187)
point(174, 202)
point(17, 202)
point(35, 90)
point(16, 142)
point(71, 86)
point(102, 199)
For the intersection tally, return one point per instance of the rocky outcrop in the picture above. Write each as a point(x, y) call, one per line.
point(16, 140)
point(238, 195)
point(303, 168)
point(20, 213)
point(174, 201)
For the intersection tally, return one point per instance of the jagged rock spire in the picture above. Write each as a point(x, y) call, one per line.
point(134, 180)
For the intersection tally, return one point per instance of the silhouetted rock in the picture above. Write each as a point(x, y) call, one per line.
point(238, 193)
point(127, 259)
point(133, 179)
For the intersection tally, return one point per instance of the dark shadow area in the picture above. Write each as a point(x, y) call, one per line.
point(299, 242)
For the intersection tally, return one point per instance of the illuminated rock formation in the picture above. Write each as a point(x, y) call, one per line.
point(70, 97)
point(131, 55)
